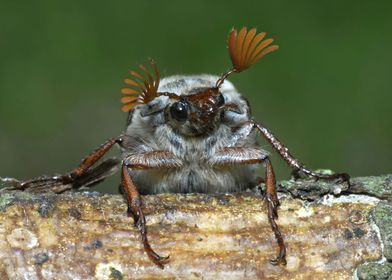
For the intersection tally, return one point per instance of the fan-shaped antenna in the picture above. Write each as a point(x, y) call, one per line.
point(143, 87)
point(245, 48)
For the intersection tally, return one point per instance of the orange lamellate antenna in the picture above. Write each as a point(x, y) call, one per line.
point(143, 87)
point(245, 48)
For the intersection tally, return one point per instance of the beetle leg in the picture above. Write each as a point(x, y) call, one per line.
point(92, 158)
point(151, 160)
point(294, 163)
point(273, 203)
point(81, 176)
point(240, 155)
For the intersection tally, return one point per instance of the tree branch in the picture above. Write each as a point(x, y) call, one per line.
point(87, 235)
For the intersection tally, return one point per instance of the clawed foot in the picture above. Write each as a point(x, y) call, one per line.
point(273, 204)
point(56, 184)
point(140, 223)
point(279, 260)
point(10, 183)
point(338, 177)
point(155, 258)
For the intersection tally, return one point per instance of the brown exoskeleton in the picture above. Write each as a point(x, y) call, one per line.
point(187, 134)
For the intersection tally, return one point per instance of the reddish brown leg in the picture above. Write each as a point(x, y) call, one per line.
point(273, 203)
point(294, 163)
point(92, 158)
point(239, 155)
point(158, 159)
point(65, 182)
point(135, 207)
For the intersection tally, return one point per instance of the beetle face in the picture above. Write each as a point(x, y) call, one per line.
point(198, 113)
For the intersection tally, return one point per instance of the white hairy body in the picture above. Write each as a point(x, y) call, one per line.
point(150, 129)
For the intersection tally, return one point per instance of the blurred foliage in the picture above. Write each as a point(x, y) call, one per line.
point(327, 93)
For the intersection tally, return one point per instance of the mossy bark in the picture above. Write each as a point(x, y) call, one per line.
point(331, 232)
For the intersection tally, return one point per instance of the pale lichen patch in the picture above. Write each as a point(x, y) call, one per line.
point(305, 212)
point(326, 219)
point(22, 238)
point(47, 234)
point(293, 263)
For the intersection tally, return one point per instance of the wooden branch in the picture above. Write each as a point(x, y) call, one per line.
point(87, 235)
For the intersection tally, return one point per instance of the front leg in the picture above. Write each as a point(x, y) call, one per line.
point(83, 175)
point(240, 155)
point(151, 160)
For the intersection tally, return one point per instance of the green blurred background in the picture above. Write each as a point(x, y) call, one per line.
point(327, 93)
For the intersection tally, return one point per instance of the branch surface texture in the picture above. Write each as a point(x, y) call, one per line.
point(331, 232)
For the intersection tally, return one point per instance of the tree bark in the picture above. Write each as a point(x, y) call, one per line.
point(331, 232)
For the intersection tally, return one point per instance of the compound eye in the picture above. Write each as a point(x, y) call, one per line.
point(221, 100)
point(179, 111)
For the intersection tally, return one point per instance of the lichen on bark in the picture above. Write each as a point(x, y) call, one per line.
point(87, 235)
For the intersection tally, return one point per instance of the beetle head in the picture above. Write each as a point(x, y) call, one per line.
point(198, 111)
